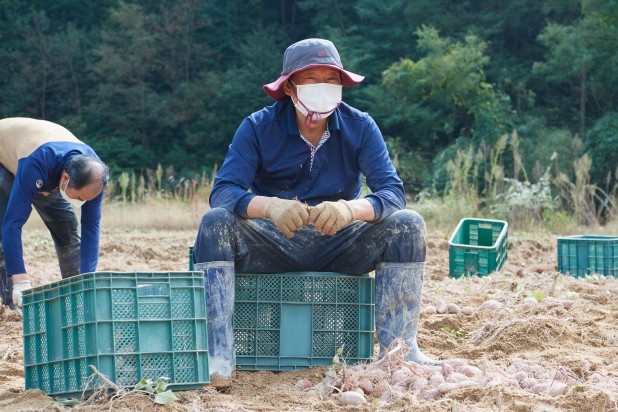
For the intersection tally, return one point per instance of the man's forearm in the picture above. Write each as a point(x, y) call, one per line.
point(256, 206)
point(363, 209)
point(19, 277)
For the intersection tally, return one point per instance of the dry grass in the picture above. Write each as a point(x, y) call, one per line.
point(441, 215)
point(150, 215)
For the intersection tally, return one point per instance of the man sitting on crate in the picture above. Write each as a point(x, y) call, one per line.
point(303, 159)
point(43, 165)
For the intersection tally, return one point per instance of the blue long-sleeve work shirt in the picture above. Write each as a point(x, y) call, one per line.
point(268, 156)
point(41, 172)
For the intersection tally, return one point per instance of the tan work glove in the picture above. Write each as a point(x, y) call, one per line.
point(329, 217)
point(287, 215)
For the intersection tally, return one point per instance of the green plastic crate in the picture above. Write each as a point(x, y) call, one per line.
point(296, 320)
point(584, 255)
point(128, 325)
point(478, 247)
point(299, 319)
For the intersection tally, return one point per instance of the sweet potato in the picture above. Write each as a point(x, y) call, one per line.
point(358, 390)
point(446, 369)
point(419, 383)
point(399, 376)
point(520, 376)
point(557, 388)
point(436, 379)
point(471, 371)
point(453, 309)
point(491, 305)
point(528, 383)
point(366, 385)
point(357, 368)
point(391, 395)
point(457, 377)
point(428, 394)
point(467, 310)
point(440, 306)
point(430, 310)
point(447, 387)
point(539, 387)
point(350, 398)
point(512, 382)
point(303, 384)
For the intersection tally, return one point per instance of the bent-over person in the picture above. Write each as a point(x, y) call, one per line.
point(43, 165)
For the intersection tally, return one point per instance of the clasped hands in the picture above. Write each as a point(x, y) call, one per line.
point(289, 215)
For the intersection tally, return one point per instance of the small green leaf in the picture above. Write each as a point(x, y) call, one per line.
point(165, 397)
point(340, 350)
point(456, 333)
point(539, 296)
point(160, 385)
point(331, 372)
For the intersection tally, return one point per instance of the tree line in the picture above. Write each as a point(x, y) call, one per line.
point(153, 82)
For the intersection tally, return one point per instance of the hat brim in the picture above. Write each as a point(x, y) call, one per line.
point(275, 89)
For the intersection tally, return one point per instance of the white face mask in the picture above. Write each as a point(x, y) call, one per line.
point(73, 202)
point(317, 101)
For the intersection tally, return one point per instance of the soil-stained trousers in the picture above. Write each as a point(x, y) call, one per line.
point(394, 247)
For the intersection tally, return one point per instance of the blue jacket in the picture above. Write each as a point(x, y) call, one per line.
point(268, 156)
point(41, 172)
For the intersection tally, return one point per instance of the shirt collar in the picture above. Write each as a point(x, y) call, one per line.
point(333, 119)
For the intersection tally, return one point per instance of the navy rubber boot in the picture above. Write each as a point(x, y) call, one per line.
point(6, 288)
point(219, 294)
point(69, 258)
point(398, 306)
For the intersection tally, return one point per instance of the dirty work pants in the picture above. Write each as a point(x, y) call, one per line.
point(226, 243)
point(60, 219)
point(256, 245)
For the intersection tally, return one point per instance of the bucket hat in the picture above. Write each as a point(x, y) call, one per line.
point(304, 55)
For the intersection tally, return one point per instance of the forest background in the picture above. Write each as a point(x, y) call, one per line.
point(505, 108)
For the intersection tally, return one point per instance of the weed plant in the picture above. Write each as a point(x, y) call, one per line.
point(477, 186)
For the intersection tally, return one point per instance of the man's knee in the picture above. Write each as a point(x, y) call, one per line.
point(217, 220)
point(407, 221)
point(216, 237)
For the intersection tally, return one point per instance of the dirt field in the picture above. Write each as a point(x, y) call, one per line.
point(559, 355)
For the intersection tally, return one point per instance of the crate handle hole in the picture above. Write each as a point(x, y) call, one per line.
point(152, 289)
